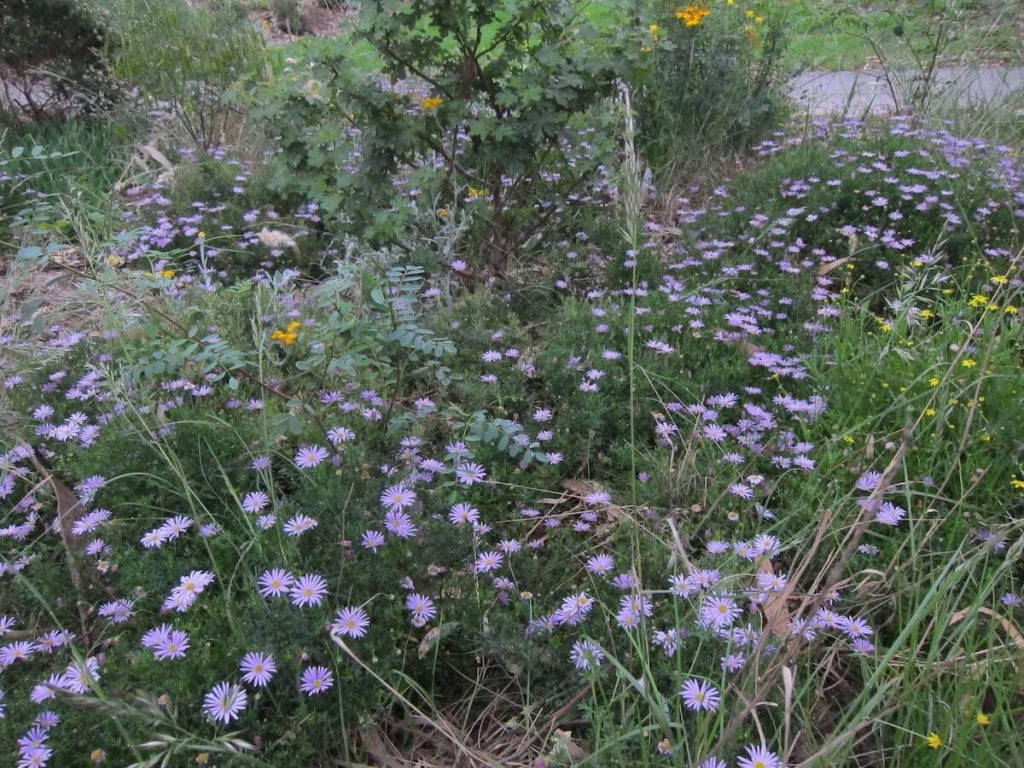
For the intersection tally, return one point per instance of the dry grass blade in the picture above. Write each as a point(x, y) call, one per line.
point(1014, 633)
point(69, 511)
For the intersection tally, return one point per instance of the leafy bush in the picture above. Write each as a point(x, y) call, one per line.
point(51, 59)
point(290, 16)
point(715, 81)
point(185, 60)
point(483, 102)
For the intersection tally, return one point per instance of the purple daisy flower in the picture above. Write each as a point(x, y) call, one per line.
point(308, 590)
point(257, 668)
point(399, 524)
point(488, 561)
point(316, 680)
point(397, 497)
point(225, 702)
point(34, 757)
point(759, 757)
point(586, 654)
point(372, 540)
point(601, 564)
point(276, 582)
point(700, 696)
point(299, 524)
point(574, 609)
point(309, 456)
point(421, 607)
point(719, 612)
point(463, 514)
point(255, 501)
point(351, 622)
point(468, 473)
point(173, 646)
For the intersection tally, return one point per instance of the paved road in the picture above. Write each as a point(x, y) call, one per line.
point(860, 92)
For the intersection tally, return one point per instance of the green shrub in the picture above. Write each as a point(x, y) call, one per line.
point(51, 57)
point(483, 101)
point(290, 17)
point(185, 60)
point(715, 82)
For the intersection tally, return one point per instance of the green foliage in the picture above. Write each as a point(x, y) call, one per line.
point(290, 16)
point(186, 59)
point(51, 56)
point(713, 87)
point(484, 105)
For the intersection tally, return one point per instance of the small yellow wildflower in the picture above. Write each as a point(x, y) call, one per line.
point(934, 381)
point(947, 291)
point(168, 273)
point(986, 438)
point(934, 741)
point(477, 192)
point(1010, 309)
point(656, 32)
point(293, 326)
point(992, 307)
point(1017, 484)
point(970, 362)
point(848, 440)
point(1000, 280)
point(442, 212)
point(978, 300)
point(759, 19)
point(930, 412)
point(750, 14)
point(927, 314)
point(201, 235)
point(982, 719)
point(431, 103)
point(286, 338)
point(692, 15)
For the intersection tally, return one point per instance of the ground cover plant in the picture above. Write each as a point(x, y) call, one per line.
point(724, 473)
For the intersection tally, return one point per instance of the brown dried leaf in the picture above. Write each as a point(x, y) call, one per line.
point(776, 614)
point(828, 266)
point(748, 348)
point(434, 636)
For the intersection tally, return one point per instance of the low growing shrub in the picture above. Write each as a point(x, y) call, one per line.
point(184, 60)
point(51, 59)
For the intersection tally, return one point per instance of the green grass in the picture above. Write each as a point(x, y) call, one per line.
point(93, 153)
point(826, 35)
